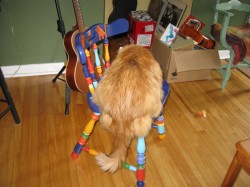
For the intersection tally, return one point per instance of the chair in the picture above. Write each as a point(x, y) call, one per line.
point(92, 79)
point(241, 160)
point(228, 35)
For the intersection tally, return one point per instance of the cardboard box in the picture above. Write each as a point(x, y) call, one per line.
point(181, 62)
point(141, 32)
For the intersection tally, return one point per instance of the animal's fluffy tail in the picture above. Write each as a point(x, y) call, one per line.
point(118, 153)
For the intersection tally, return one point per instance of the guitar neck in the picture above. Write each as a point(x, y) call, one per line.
point(78, 14)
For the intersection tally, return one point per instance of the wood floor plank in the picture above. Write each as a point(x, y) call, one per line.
point(197, 150)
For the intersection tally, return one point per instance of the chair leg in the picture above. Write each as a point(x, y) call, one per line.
point(233, 171)
point(140, 171)
point(227, 73)
point(67, 99)
point(161, 126)
point(85, 136)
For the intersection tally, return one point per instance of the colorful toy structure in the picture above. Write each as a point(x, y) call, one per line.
point(89, 39)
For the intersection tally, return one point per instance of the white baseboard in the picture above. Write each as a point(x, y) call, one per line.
point(53, 68)
point(32, 69)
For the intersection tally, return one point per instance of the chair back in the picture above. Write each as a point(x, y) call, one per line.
point(88, 39)
point(231, 5)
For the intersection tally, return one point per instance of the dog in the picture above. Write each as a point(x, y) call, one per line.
point(128, 96)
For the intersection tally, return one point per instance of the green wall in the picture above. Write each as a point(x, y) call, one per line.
point(203, 10)
point(28, 29)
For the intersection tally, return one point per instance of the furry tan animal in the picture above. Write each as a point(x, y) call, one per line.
point(129, 95)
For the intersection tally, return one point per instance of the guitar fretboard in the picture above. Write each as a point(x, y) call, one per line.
point(78, 14)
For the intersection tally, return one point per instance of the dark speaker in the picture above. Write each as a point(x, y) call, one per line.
point(121, 9)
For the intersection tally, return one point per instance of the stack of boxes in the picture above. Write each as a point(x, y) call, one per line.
point(142, 28)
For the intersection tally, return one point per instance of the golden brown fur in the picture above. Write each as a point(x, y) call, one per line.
point(129, 95)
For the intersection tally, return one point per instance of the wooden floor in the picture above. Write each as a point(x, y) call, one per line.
point(196, 151)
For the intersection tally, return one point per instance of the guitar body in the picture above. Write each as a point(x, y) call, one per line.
point(75, 77)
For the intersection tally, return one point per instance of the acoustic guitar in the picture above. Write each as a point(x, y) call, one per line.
point(75, 77)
